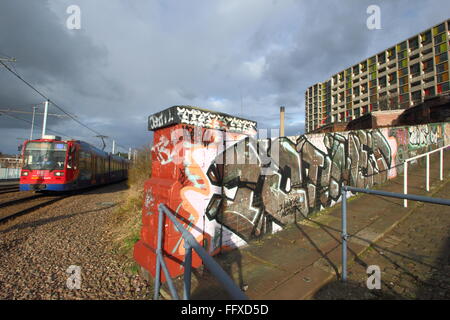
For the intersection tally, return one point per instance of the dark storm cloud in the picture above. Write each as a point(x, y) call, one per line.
point(321, 48)
point(56, 61)
point(46, 51)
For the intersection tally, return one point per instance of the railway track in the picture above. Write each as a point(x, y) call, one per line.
point(9, 188)
point(17, 207)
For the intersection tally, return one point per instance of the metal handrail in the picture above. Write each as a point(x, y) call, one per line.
point(344, 234)
point(189, 244)
point(427, 154)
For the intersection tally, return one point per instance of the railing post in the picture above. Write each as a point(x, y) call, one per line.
point(344, 233)
point(209, 262)
point(187, 270)
point(405, 183)
point(441, 165)
point(428, 172)
point(158, 255)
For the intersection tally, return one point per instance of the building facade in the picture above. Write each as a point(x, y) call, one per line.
point(396, 78)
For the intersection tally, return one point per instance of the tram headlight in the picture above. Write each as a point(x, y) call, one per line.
point(59, 174)
point(25, 173)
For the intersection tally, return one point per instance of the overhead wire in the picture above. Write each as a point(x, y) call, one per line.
point(37, 125)
point(49, 100)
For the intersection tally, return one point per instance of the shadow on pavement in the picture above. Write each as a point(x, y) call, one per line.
point(351, 290)
point(437, 285)
point(208, 287)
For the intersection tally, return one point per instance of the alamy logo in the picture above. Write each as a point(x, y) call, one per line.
point(74, 20)
point(374, 20)
point(374, 279)
point(74, 281)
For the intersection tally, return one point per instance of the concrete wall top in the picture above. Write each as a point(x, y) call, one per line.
point(345, 133)
point(200, 117)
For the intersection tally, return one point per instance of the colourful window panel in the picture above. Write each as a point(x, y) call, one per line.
point(401, 46)
point(426, 38)
point(417, 95)
point(429, 92)
point(440, 48)
point(435, 31)
point(440, 28)
point(442, 77)
point(441, 58)
point(445, 87)
point(391, 53)
point(404, 89)
point(403, 63)
point(404, 98)
point(403, 72)
point(428, 65)
point(402, 55)
point(439, 38)
point(393, 77)
point(403, 80)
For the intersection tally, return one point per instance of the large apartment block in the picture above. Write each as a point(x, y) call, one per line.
point(395, 78)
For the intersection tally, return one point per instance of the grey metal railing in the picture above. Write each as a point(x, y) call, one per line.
point(345, 236)
point(189, 244)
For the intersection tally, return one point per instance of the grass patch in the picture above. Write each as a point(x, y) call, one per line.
point(128, 220)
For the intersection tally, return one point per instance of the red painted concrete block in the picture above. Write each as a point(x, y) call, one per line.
point(186, 141)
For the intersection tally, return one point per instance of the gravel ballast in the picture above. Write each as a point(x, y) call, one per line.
point(38, 249)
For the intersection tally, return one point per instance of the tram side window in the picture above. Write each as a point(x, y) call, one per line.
point(85, 165)
point(83, 160)
point(99, 166)
point(72, 157)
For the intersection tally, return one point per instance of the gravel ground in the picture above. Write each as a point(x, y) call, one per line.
point(15, 195)
point(37, 249)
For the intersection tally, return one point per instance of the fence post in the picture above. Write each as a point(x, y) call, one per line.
point(158, 255)
point(441, 165)
point(187, 270)
point(344, 233)
point(428, 172)
point(405, 184)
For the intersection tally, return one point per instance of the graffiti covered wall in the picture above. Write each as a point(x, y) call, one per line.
point(230, 188)
point(310, 172)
